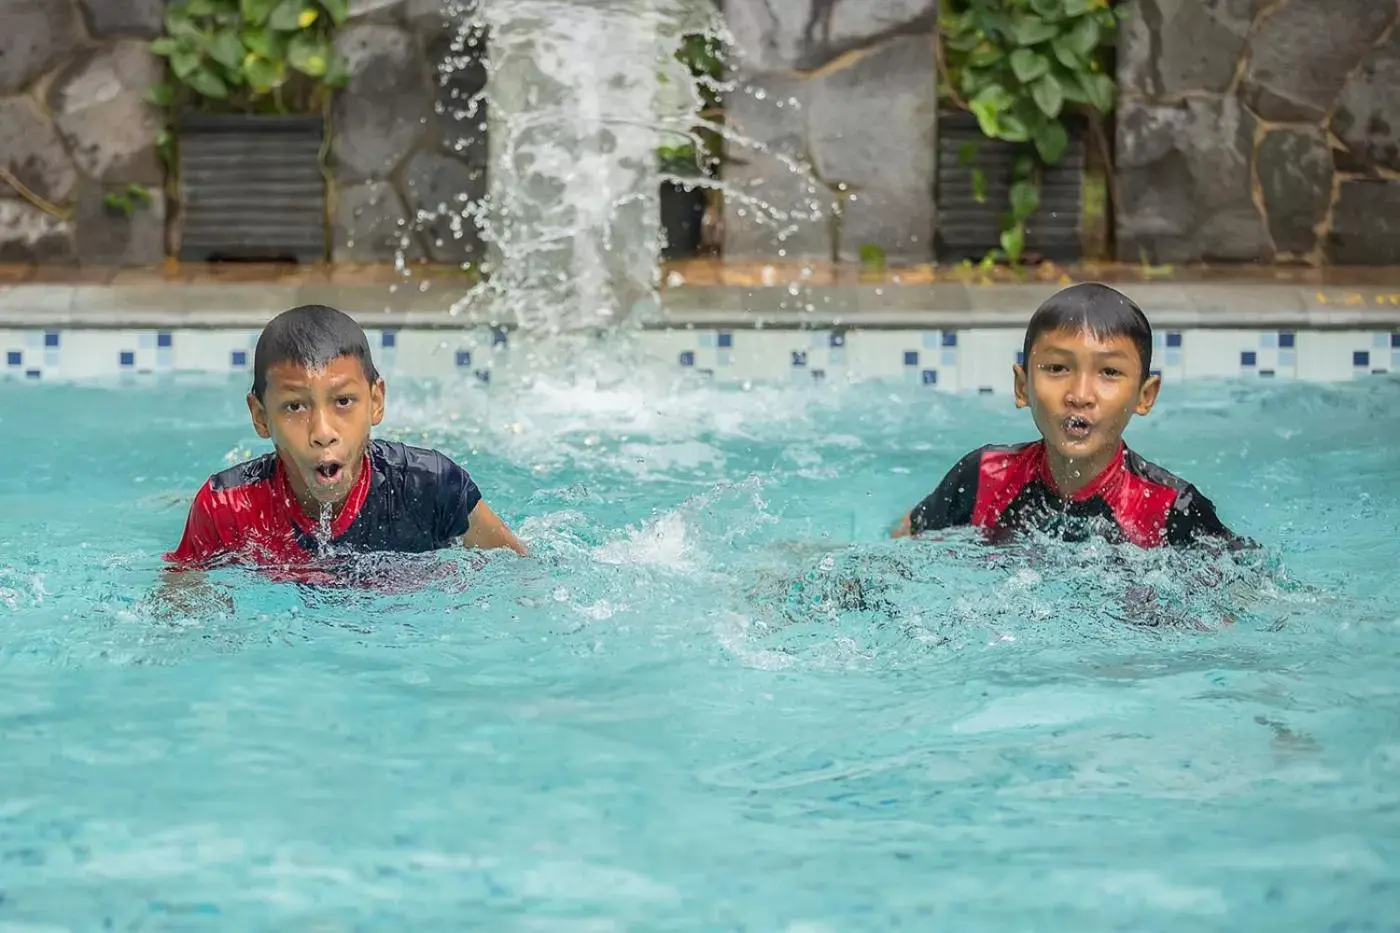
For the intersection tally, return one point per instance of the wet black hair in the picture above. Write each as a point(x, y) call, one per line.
point(1102, 311)
point(312, 336)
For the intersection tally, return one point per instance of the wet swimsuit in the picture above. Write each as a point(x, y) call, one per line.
point(406, 499)
point(1007, 489)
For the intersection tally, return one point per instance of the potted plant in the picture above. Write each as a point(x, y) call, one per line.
point(250, 89)
point(691, 159)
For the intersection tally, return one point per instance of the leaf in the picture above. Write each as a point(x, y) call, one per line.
point(256, 12)
point(184, 63)
point(984, 55)
point(1074, 89)
point(286, 17)
point(307, 17)
point(1025, 198)
point(872, 257)
point(310, 54)
point(338, 10)
point(1051, 10)
point(1051, 141)
point(962, 42)
point(264, 44)
point(160, 94)
point(1031, 30)
point(1013, 241)
point(262, 74)
point(165, 46)
point(979, 186)
point(1049, 96)
point(208, 84)
point(1014, 129)
point(200, 7)
point(967, 152)
point(227, 50)
point(1028, 65)
point(1100, 89)
point(988, 106)
point(1065, 52)
point(1078, 7)
point(338, 72)
point(1084, 38)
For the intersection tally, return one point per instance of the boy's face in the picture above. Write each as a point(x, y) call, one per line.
point(320, 421)
point(1082, 392)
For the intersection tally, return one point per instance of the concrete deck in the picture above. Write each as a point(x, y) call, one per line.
point(705, 293)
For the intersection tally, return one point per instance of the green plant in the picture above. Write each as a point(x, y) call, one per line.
point(255, 56)
point(124, 202)
point(1022, 67)
point(700, 53)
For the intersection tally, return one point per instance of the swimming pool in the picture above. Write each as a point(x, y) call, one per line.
point(718, 698)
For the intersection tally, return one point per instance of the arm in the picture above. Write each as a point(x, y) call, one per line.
point(950, 504)
point(1193, 520)
point(184, 589)
point(486, 531)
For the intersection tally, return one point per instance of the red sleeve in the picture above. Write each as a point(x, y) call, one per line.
point(201, 540)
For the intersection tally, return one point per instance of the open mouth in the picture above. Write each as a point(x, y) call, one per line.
point(329, 473)
point(1077, 427)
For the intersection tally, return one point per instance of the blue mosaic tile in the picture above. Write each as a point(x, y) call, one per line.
point(1378, 372)
point(724, 339)
point(1395, 339)
point(838, 340)
point(950, 357)
point(1266, 373)
point(836, 356)
point(499, 338)
point(911, 357)
point(126, 359)
point(389, 339)
point(1269, 340)
point(931, 339)
point(1361, 358)
point(707, 339)
point(1155, 372)
point(799, 357)
point(239, 358)
point(1287, 358)
point(930, 377)
point(985, 390)
point(1248, 358)
point(1173, 357)
point(32, 374)
point(1174, 338)
point(1020, 358)
point(950, 338)
point(14, 358)
point(464, 358)
point(165, 340)
point(145, 341)
point(50, 338)
point(483, 375)
point(687, 357)
point(818, 374)
point(1286, 339)
point(724, 357)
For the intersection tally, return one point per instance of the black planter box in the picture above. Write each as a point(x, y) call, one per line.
point(682, 213)
point(251, 188)
point(968, 230)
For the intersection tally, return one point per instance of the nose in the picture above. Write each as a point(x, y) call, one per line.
point(1081, 391)
point(323, 430)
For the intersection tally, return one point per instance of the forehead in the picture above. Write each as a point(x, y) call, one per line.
point(338, 372)
point(1083, 340)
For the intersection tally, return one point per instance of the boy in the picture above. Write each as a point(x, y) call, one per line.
point(1087, 355)
point(328, 487)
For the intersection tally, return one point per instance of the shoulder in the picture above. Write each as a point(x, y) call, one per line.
point(421, 463)
point(1190, 515)
point(1145, 469)
point(246, 474)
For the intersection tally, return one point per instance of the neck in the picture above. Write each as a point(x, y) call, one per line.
point(1073, 474)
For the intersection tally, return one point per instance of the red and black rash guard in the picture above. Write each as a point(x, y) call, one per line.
point(1005, 489)
point(406, 499)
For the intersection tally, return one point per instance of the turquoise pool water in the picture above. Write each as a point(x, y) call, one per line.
point(718, 699)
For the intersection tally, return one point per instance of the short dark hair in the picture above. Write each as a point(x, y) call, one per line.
point(312, 336)
point(1101, 310)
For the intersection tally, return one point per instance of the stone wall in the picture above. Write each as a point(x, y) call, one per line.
point(1260, 130)
point(74, 126)
point(840, 98)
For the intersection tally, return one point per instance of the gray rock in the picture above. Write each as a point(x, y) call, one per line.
point(1184, 177)
point(99, 104)
point(376, 10)
point(1367, 118)
point(1330, 36)
point(34, 34)
point(1295, 175)
point(1171, 46)
point(124, 17)
point(432, 18)
point(371, 225)
point(440, 191)
point(772, 211)
point(109, 237)
point(885, 155)
point(459, 78)
point(31, 149)
point(773, 35)
point(1366, 224)
point(386, 106)
point(769, 112)
point(27, 234)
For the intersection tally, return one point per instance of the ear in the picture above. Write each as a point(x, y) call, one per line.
point(376, 402)
point(1021, 383)
point(1147, 395)
point(259, 415)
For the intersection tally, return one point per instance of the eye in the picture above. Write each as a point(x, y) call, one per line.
point(1054, 367)
point(293, 407)
point(1112, 372)
point(345, 401)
